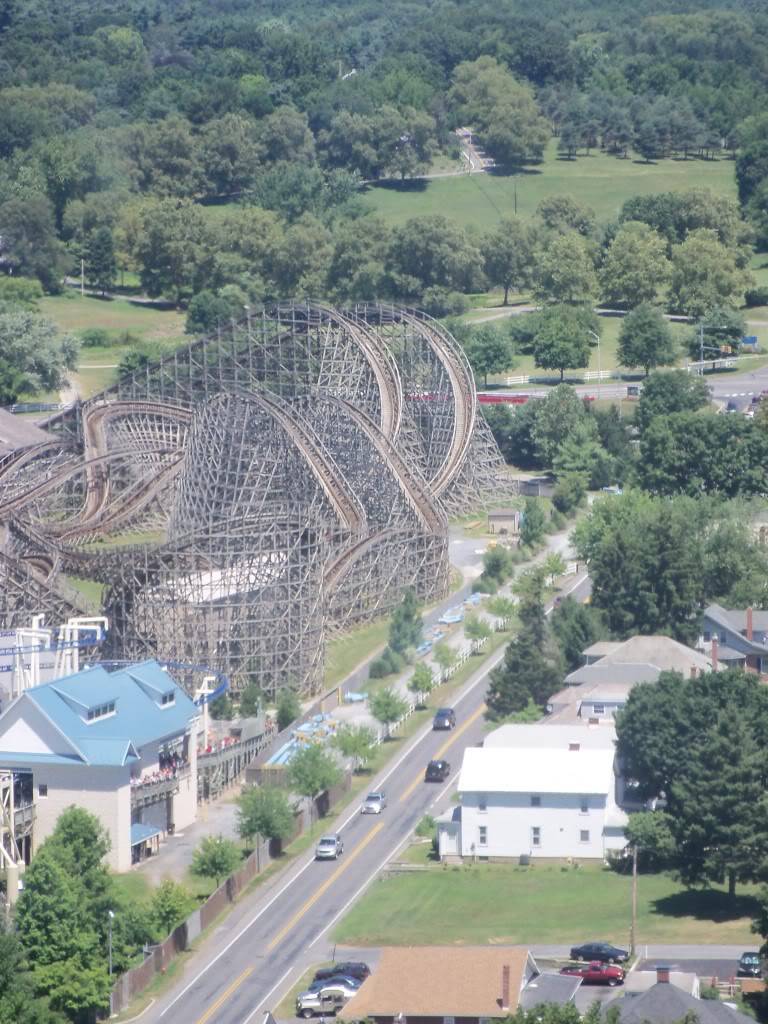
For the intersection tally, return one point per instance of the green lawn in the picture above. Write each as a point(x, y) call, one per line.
point(76, 313)
point(344, 653)
point(602, 182)
point(498, 903)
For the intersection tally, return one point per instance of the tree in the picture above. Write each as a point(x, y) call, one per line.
point(209, 311)
point(28, 230)
point(562, 339)
point(645, 339)
point(582, 455)
point(288, 708)
point(556, 418)
point(421, 682)
point(721, 327)
point(387, 707)
point(669, 392)
point(524, 674)
point(222, 708)
point(18, 1004)
point(171, 904)
point(476, 630)
point(565, 270)
point(533, 522)
point(173, 248)
point(35, 355)
point(264, 811)
point(503, 608)
point(564, 213)
point(650, 833)
point(312, 770)
point(405, 627)
point(215, 857)
point(529, 588)
point(432, 251)
point(705, 274)
point(509, 255)
point(554, 565)
point(444, 655)
point(251, 700)
point(285, 135)
point(569, 491)
point(488, 351)
point(100, 261)
point(635, 268)
point(575, 627)
point(357, 742)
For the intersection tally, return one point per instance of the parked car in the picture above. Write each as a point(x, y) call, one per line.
point(328, 999)
point(329, 847)
point(336, 979)
point(445, 718)
point(350, 968)
point(374, 803)
point(437, 771)
point(750, 966)
point(596, 973)
point(602, 951)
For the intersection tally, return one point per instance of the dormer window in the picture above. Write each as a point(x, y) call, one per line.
point(167, 699)
point(100, 711)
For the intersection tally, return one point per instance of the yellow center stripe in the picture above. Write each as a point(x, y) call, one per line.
point(225, 996)
point(323, 888)
point(444, 749)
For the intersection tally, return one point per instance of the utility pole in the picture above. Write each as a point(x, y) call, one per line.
point(599, 364)
point(111, 917)
point(82, 277)
point(633, 926)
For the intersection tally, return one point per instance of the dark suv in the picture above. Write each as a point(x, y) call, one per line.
point(750, 966)
point(437, 771)
point(445, 718)
point(602, 951)
point(350, 968)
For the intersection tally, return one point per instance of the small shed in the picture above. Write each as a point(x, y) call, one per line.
point(504, 521)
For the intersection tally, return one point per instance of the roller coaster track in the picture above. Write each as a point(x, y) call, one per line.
point(382, 364)
point(340, 566)
point(345, 502)
point(462, 384)
point(18, 459)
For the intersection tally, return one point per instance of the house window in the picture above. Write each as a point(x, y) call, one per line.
point(535, 801)
point(574, 746)
point(584, 806)
point(42, 791)
point(482, 802)
point(168, 698)
point(598, 709)
point(101, 711)
point(482, 839)
point(707, 636)
point(535, 836)
point(584, 835)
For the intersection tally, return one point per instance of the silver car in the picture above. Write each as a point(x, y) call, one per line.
point(374, 803)
point(328, 999)
point(329, 847)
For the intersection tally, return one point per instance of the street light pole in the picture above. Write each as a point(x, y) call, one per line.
point(633, 926)
point(599, 362)
point(111, 917)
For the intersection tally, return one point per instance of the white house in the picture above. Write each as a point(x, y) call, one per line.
point(552, 795)
point(120, 744)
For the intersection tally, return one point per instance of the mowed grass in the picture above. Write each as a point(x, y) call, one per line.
point(600, 181)
point(498, 903)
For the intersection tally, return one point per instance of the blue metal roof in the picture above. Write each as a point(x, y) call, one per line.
point(141, 833)
point(138, 718)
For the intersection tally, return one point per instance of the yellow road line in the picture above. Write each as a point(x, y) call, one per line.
point(444, 749)
point(225, 996)
point(323, 888)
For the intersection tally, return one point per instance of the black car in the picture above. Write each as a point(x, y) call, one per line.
point(437, 771)
point(749, 966)
point(445, 718)
point(350, 968)
point(602, 951)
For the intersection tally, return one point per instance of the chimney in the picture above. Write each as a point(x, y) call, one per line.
point(749, 624)
point(694, 671)
point(713, 654)
point(505, 987)
point(662, 975)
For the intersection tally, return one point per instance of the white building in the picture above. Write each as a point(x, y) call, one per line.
point(550, 792)
point(121, 745)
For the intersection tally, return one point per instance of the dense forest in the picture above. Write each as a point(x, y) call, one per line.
point(120, 123)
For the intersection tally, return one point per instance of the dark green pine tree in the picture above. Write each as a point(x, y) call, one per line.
point(405, 629)
point(100, 261)
point(524, 674)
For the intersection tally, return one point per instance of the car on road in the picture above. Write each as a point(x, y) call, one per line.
point(596, 973)
point(445, 718)
point(749, 966)
point(351, 968)
point(602, 951)
point(374, 803)
point(329, 847)
point(437, 771)
point(328, 999)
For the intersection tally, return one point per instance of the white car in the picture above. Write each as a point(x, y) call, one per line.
point(374, 803)
point(329, 847)
point(328, 999)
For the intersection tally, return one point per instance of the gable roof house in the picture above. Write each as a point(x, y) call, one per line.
point(118, 744)
point(668, 1003)
point(736, 638)
point(552, 795)
point(464, 985)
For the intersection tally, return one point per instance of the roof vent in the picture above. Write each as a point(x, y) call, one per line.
point(574, 746)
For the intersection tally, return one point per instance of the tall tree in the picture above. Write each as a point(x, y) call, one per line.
point(100, 261)
point(670, 391)
point(565, 270)
point(28, 230)
point(357, 742)
point(36, 356)
point(524, 674)
point(264, 811)
point(563, 339)
point(405, 628)
point(645, 339)
point(705, 274)
point(575, 626)
point(312, 770)
point(489, 351)
point(215, 857)
point(508, 250)
point(635, 268)
point(387, 707)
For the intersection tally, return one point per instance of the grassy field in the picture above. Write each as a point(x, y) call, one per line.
point(602, 182)
point(497, 903)
point(344, 653)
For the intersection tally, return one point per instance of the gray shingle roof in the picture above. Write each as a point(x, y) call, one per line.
point(667, 1004)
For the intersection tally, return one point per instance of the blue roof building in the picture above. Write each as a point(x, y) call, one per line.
point(121, 744)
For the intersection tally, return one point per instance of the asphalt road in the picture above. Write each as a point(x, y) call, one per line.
point(256, 960)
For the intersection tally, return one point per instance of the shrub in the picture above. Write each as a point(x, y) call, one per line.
point(95, 337)
point(756, 297)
